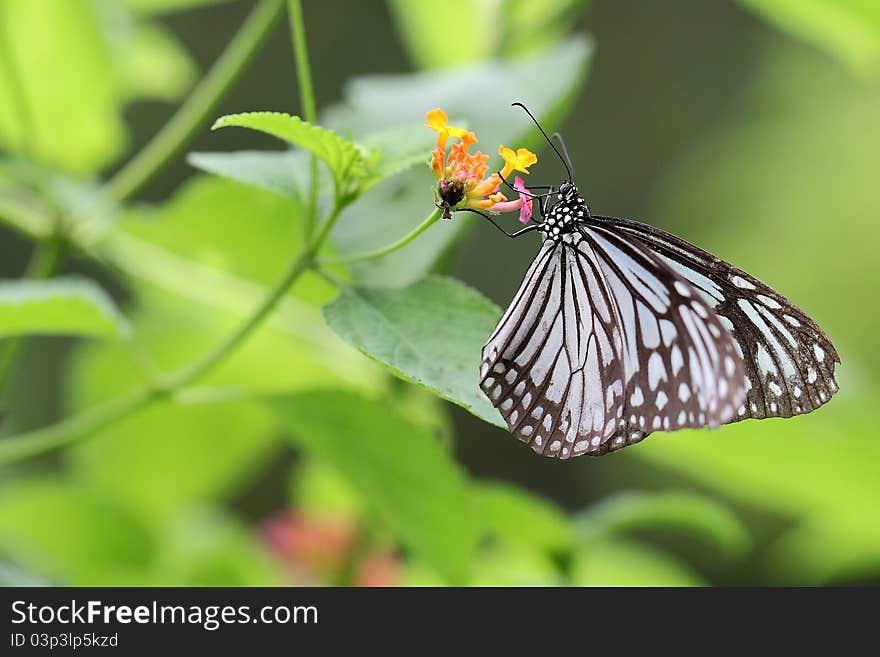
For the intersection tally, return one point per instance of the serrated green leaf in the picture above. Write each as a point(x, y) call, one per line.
point(849, 29)
point(694, 514)
point(64, 306)
point(399, 469)
point(516, 516)
point(340, 155)
point(430, 333)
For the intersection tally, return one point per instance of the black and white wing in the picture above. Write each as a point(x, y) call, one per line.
point(604, 343)
point(789, 361)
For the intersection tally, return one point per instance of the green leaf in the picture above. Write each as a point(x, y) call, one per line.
point(692, 513)
point(168, 6)
point(286, 172)
point(399, 469)
point(60, 49)
point(430, 333)
point(623, 563)
point(517, 516)
point(64, 531)
point(155, 65)
point(509, 564)
point(474, 30)
point(849, 29)
point(479, 94)
point(64, 306)
point(340, 155)
point(281, 172)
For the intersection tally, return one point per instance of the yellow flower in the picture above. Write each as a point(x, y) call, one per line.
point(437, 121)
point(461, 174)
point(520, 160)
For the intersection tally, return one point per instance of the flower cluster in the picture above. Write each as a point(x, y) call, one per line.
point(462, 179)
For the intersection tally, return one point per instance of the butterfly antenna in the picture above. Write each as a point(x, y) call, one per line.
point(549, 141)
point(558, 138)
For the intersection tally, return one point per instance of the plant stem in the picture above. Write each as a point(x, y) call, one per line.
point(62, 433)
point(203, 366)
point(29, 444)
point(307, 99)
point(20, 105)
point(204, 98)
point(385, 250)
point(44, 263)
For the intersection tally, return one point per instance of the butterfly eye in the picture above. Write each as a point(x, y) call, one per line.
point(565, 188)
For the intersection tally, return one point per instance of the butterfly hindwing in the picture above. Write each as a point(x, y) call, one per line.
point(789, 361)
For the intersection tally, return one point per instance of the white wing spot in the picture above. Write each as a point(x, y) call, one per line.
point(682, 289)
point(742, 283)
point(507, 404)
point(770, 302)
point(661, 400)
point(820, 355)
point(526, 430)
point(636, 398)
point(548, 421)
point(684, 392)
point(510, 377)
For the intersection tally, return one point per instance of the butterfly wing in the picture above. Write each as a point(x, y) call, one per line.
point(789, 361)
point(590, 357)
point(551, 367)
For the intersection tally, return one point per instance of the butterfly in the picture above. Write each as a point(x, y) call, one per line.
point(620, 329)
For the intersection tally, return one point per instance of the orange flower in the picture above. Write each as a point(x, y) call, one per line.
point(462, 175)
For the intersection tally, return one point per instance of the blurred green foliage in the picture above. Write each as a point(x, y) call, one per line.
point(306, 455)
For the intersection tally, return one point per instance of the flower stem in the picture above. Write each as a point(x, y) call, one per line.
point(385, 250)
point(204, 98)
point(307, 99)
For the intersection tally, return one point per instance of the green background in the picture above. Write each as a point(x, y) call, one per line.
point(749, 128)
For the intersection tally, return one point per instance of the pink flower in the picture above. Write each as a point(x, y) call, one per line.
point(523, 203)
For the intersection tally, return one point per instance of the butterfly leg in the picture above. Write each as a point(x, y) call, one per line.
point(522, 231)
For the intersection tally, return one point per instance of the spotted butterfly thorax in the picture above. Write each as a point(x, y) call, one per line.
point(620, 329)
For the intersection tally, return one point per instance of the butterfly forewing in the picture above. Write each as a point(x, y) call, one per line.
point(789, 361)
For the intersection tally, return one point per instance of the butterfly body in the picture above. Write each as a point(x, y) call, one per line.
point(620, 329)
point(565, 215)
